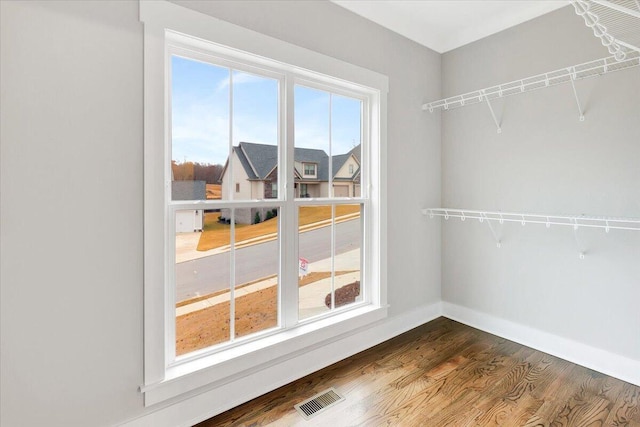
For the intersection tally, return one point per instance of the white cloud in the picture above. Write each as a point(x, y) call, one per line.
point(238, 79)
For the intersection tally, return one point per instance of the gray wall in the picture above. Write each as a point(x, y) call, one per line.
point(71, 211)
point(545, 161)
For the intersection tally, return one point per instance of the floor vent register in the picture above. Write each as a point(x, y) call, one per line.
point(318, 403)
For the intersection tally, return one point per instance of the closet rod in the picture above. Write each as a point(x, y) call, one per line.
point(575, 221)
point(564, 75)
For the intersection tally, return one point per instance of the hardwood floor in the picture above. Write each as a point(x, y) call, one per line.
point(445, 373)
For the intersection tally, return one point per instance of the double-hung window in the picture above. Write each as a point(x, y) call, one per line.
point(271, 264)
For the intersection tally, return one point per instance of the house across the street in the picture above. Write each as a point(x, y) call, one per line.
point(255, 176)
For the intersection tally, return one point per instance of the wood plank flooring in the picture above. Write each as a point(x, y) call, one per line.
point(448, 374)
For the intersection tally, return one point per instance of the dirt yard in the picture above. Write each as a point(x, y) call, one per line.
point(255, 312)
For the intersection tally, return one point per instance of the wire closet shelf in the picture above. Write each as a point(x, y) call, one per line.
point(595, 68)
point(574, 221)
point(615, 22)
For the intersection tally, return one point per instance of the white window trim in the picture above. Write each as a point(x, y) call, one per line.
point(160, 381)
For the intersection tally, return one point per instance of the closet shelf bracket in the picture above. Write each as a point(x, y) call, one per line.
point(575, 93)
point(493, 114)
point(493, 231)
point(581, 250)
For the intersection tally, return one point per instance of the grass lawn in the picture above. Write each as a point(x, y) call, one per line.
point(216, 234)
point(214, 191)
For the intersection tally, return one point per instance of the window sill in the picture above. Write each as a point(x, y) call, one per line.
point(226, 366)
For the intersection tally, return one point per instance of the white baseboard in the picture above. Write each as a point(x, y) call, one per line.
point(590, 357)
point(209, 403)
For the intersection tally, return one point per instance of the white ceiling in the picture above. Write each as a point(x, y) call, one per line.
point(443, 25)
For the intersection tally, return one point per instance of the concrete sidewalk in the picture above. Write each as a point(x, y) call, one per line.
point(311, 296)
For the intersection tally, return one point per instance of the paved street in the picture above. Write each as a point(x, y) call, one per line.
point(209, 274)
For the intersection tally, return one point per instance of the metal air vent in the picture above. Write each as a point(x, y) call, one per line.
point(318, 403)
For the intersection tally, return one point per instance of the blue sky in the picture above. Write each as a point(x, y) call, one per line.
point(200, 113)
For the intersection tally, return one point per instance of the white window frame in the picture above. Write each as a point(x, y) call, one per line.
point(164, 380)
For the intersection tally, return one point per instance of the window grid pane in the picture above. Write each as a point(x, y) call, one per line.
point(330, 254)
point(327, 163)
point(199, 131)
point(202, 284)
point(215, 109)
